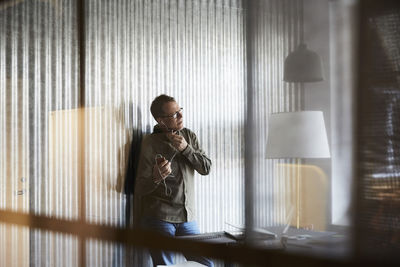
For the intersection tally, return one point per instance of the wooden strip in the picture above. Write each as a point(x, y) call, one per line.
point(135, 237)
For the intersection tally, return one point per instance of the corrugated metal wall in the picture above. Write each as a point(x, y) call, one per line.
point(192, 50)
point(277, 31)
point(38, 70)
point(135, 50)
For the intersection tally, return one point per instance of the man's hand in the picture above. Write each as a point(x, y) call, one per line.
point(177, 141)
point(161, 170)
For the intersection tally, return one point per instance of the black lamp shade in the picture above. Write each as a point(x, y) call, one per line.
point(303, 65)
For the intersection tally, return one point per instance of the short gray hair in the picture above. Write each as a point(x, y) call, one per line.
point(158, 103)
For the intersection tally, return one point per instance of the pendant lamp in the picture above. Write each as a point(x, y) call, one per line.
point(303, 65)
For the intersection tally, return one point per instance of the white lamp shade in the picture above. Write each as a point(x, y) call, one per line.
point(297, 135)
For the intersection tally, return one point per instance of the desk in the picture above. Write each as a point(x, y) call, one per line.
point(215, 237)
point(321, 244)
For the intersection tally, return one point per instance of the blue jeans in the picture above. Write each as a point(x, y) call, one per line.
point(172, 229)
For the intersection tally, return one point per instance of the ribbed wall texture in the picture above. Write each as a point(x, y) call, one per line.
point(277, 30)
point(135, 50)
point(192, 50)
point(38, 74)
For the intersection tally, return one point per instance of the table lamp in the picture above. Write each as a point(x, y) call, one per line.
point(297, 135)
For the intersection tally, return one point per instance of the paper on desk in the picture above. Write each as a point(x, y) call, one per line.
point(261, 233)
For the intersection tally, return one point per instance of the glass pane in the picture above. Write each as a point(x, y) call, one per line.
point(66, 150)
point(379, 184)
point(302, 108)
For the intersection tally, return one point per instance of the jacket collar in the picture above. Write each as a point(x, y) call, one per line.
point(158, 129)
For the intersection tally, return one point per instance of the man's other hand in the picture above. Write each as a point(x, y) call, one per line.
point(161, 170)
point(177, 141)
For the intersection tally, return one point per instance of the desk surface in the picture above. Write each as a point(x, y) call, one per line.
point(214, 237)
point(329, 244)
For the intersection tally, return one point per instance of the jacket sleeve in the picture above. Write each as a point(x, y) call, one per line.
point(196, 156)
point(144, 178)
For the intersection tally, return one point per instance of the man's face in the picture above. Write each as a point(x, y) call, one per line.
point(170, 109)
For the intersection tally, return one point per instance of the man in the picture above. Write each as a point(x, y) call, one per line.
point(165, 177)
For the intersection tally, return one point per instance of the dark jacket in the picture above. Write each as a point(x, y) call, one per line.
point(149, 197)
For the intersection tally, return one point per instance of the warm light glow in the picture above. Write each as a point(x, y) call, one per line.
point(307, 191)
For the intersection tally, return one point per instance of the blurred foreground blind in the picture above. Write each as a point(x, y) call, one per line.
point(379, 143)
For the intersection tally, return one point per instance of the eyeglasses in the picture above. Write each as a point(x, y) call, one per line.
point(175, 115)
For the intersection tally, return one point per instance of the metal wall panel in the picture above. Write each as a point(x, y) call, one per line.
point(38, 59)
point(135, 50)
point(14, 245)
point(192, 50)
